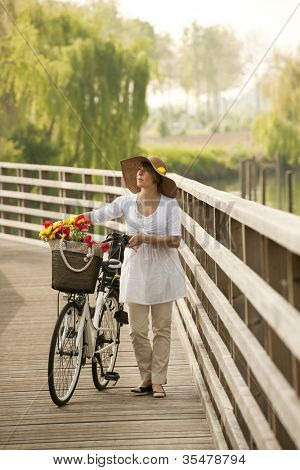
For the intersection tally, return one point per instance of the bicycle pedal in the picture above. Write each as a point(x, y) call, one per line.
point(112, 376)
point(121, 316)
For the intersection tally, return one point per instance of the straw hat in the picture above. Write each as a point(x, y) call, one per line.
point(129, 167)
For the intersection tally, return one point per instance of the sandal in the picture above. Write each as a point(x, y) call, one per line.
point(159, 394)
point(142, 390)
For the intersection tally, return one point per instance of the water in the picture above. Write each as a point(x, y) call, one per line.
point(233, 186)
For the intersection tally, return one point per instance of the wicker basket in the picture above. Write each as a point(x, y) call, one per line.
point(75, 266)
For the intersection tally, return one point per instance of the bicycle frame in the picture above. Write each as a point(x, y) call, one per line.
point(87, 327)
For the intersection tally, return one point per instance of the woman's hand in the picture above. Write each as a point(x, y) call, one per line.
point(135, 241)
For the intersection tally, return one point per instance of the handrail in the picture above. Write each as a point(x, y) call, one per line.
point(282, 227)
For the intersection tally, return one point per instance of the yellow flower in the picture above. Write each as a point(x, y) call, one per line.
point(161, 169)
point(43, 235)
point(45, 232)
point(57, 223)
point(55, 230)
point(70, 220)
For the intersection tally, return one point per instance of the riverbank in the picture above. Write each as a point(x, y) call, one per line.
point(197, 140)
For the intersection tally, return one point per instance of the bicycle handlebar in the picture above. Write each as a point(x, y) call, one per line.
point(121, 238)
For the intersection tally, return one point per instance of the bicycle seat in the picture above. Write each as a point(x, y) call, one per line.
point(112, 263)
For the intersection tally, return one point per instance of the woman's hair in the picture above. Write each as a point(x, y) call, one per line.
point(147, 166)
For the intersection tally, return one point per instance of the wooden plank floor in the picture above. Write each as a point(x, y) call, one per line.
point(112, 419)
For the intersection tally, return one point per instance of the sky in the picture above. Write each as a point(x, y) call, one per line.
point(264, 17)
point(256, 23)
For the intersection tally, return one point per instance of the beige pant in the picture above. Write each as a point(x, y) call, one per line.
point(152, 363)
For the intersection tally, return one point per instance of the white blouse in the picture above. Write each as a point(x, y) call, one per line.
point(151, 274)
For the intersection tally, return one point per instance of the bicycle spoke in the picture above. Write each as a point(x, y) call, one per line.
point(107, 343)
point(64, 358)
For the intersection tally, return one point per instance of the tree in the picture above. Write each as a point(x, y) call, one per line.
point(90, 83)
point(191, 60)
point(210, 63)
point(279, 129)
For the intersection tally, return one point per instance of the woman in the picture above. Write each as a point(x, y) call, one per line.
point(151, 274)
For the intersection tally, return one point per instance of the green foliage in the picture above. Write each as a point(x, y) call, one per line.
point(34, 146)
point(235, 122)
point(278, 135)
point(237, 153)
point(9, 152)
point(278, 130)
point(197, 164)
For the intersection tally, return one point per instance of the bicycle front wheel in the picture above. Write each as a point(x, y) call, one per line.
point(107, 344)
point(65, 357)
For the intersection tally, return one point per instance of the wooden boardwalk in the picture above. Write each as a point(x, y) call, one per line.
point(112, 419)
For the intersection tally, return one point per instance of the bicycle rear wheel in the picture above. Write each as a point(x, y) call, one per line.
point(64, 357)
point(107, 344)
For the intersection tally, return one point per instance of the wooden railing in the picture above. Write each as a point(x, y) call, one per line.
point(240, 319)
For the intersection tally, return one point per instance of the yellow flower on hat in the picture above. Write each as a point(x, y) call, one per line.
point(161, 169)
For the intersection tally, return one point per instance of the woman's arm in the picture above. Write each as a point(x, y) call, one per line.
point(162, 240)
point(109, 211)
point(156, 240)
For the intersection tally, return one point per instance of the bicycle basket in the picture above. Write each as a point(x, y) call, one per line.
point(75, 266)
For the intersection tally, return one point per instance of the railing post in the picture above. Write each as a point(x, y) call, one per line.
point(62, 194)
point(43, 190)
point(197, 218)
point(189, 211)
point(263, 173)
point(237, 298)
point(278, 179)
point(27, 217)
point(254, 177)
point(69, 209)
point(21, 202)
point(222, 236)
point(288, 176)
point(243, 178)
point(87, 195)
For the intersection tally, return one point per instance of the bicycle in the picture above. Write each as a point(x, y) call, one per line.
point(86, 332)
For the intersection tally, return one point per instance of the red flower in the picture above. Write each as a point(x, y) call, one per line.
point(82, 223)
point(84, 226)
point(47, 223)
point(88, 240)
point(105, 246)
point(62, 230)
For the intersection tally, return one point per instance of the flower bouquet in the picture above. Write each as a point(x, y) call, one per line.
point(76, 259)
point(75, 228)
